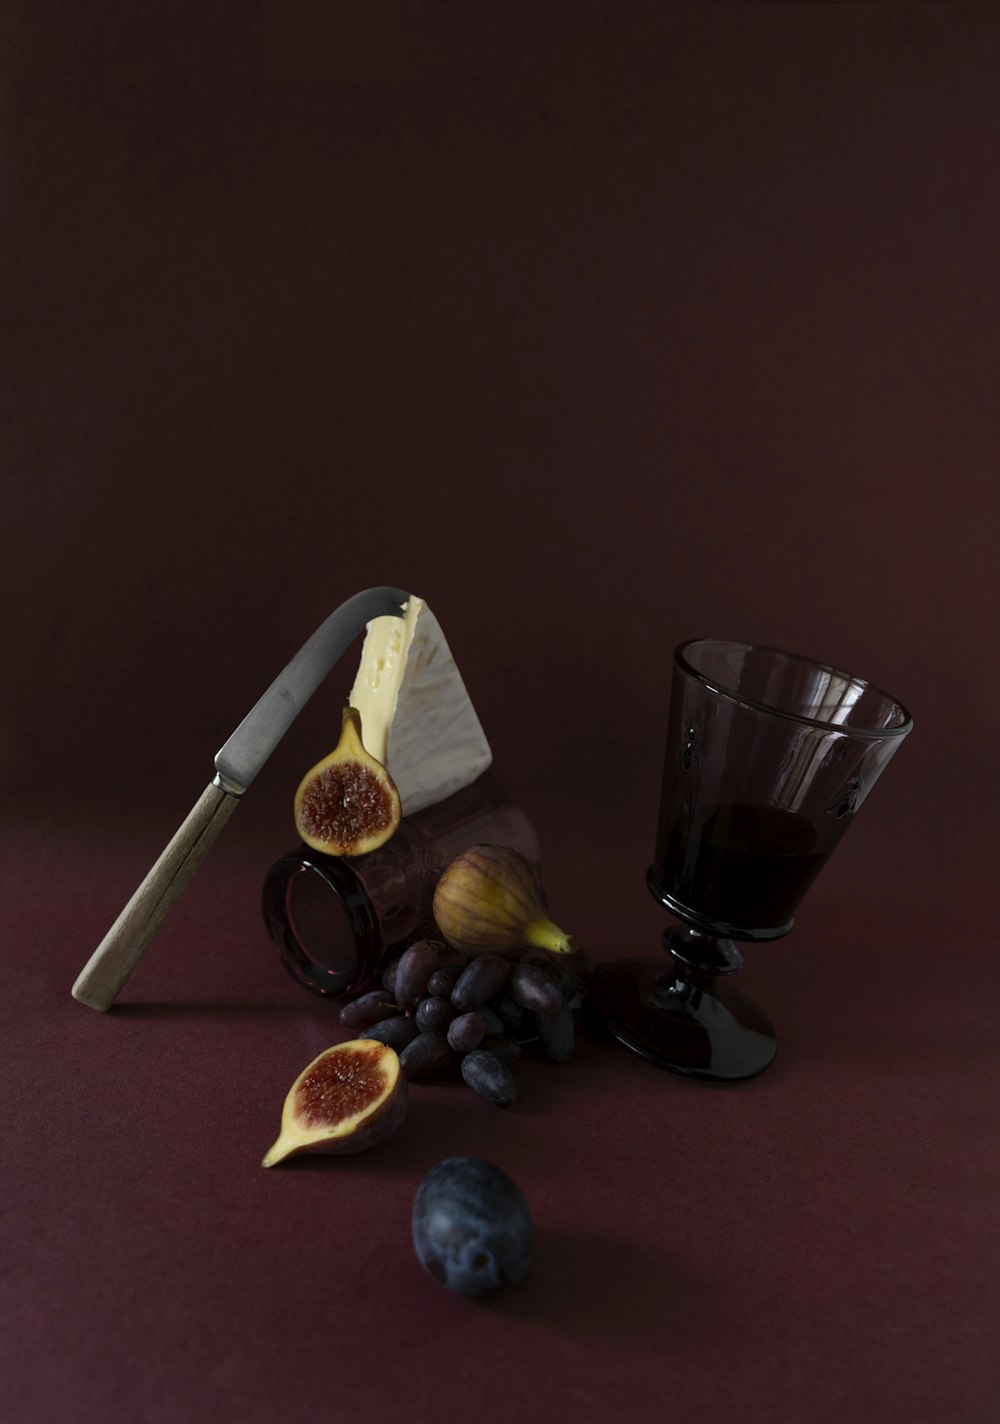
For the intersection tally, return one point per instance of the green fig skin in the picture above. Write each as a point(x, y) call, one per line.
point(490, 898)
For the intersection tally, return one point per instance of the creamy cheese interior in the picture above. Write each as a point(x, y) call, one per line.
point(417, 718)
point(380, 672)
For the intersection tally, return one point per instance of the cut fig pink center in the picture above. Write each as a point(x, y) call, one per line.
point(345, 803)
point(340, 1086)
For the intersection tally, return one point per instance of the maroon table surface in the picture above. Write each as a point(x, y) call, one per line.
point(599, 327)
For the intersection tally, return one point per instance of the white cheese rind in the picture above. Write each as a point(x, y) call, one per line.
point(416, 716)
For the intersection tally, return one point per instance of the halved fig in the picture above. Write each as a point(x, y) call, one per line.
point(348, 1099)
point(347, 804)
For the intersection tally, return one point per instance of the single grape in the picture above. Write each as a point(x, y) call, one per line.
point(467, 1032)
point(557, 1033)
point(370, 1009)
point(443, 980)
point(396, 1032)
point(566, 980)
point(487, 1076)
point(388, 976)
point(416, 965)
point(472, 1228)
point(425, 1054)
point(433, 1015)
point(535, 989)
point(479, 981)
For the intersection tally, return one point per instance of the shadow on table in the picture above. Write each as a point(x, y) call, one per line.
point(180, 1008)
point(611, 1291)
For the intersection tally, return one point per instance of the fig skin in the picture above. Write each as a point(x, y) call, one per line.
point(347, 804)
point(371, 1076)
point(489, 899)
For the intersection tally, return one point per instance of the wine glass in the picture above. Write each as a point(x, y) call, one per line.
point(769, 757)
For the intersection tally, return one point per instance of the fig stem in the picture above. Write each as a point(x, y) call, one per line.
point(276, 1153)
point(544, 934)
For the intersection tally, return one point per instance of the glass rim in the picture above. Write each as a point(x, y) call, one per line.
point(731, 695)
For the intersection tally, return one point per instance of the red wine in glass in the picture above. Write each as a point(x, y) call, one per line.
point(740, 866)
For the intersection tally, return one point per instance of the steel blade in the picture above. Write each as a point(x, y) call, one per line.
point(242, 756)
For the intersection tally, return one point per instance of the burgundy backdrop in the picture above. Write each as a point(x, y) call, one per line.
point(598, 326)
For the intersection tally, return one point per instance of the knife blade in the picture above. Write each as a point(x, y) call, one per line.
point(236, 764)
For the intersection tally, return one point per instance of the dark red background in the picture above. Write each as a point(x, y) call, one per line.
point(598, 326)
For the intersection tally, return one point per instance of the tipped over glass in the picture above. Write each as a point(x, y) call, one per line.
point(769, 758)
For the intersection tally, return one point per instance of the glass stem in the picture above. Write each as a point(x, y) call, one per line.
point(700, 953)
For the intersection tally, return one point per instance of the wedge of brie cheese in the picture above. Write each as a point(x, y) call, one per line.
point(417, 718)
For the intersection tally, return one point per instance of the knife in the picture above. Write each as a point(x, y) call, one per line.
point(236, 765)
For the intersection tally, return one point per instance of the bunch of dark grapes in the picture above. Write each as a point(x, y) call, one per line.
point(438, 1008)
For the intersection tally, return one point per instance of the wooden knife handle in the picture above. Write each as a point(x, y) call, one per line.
point(128, 938)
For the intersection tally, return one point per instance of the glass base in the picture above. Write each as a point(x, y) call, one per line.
point(686, 1022)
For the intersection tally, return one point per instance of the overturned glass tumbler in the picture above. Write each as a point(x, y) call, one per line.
point(336, 920)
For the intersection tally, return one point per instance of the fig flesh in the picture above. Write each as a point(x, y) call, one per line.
point(490, 899)
point(347, 804)
point(350, 1098)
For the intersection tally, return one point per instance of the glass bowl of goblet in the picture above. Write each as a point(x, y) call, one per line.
point(769, 758)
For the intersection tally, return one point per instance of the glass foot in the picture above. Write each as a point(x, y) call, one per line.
point(689, 1023)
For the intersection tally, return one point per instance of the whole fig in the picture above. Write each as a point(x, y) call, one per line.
point(489, 898)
